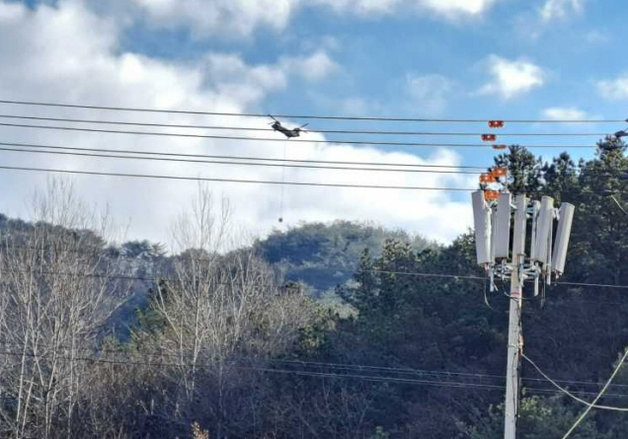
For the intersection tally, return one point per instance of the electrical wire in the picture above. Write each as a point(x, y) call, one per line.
point(159, 278)
point(261, 129)
point(389, 272)
point(295, 116)
point(283, 162)
point(372, 378)
point(269, 370)
point(588, 409)
point(619, 205)
point(268, 139)
point(232, 157)
point(571, 395)
point(303, 363)
point(587, 284)
point(231, 180)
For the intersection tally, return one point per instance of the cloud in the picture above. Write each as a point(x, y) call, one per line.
point(511, 78)
point(614, 89)
point(564, 113)
point(560, 9)
point(240, 18)
point(429, 92)
point(314, 67)
point(73, 56)
point(451, 8)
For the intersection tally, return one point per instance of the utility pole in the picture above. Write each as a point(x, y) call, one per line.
point(514, 320)
point(492, 214)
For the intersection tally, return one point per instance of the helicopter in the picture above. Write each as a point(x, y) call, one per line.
point(289, 133)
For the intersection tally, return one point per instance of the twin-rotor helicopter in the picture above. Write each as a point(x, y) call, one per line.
point(289, 133)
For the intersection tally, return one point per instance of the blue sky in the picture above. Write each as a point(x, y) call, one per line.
point(575, 44)
point(501, 59)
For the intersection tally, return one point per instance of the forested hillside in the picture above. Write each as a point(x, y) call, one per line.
point(230, 341)
point(326, 255)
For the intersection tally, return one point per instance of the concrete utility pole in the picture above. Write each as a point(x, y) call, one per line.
point(492, 221)
point(514, 322)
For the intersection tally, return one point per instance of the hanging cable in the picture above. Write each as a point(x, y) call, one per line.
point(232, 157)
point(258, 129)
point(295, 116)
point(283, 162)
point(231, 180)
point(571, 395)
point(268, 139)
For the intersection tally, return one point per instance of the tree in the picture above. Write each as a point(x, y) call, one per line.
point(56, 295)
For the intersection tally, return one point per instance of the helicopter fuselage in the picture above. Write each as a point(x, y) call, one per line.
point(296, 132)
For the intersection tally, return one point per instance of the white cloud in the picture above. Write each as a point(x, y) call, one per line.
point(67, 54)
point(458, 7)
point(429, 92)
point(314, 67)
point(560, 9)
point(241, 17)
point(564, 113)
point(614, 89)
point(511, 78)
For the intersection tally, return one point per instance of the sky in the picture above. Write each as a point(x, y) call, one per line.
point(448, 59)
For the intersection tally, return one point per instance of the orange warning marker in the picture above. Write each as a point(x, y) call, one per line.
point(489, 137)
point(487, 178)
point(491, 195)
point(499, 172)
point(496, 124)
point(499, 146)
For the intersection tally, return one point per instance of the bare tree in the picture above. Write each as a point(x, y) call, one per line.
point(220, 304)
point(55, 293)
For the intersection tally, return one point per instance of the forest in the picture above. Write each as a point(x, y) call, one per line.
point(338, 330)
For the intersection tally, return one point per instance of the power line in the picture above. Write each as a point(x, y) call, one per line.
point(232, 157)
point(268, 139)
point(159, 278)
point(423, 371)
point(238, 163)
point(390, 272)
point(232, 180)
point(261, 369)
point(260, 129)
point(295, 116)
point(304, 363)
point(597, 398)
point(587, 284)
point(373, 378)
point(571, 395)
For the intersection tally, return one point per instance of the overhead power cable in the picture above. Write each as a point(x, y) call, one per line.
point(160, 278)
point(236, 163)
point(235, 157)
point(261, 129)
point(582, 401)
point(294, 116)
point(365, 377)
point(389, 272)
point(231, 180)
point(268, 139)
point(94, 359)
point(588, 284)
point(181, 354)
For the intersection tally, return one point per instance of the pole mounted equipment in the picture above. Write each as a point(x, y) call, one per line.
point(495, 215)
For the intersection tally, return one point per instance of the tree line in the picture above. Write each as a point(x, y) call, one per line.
point(227, 341)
